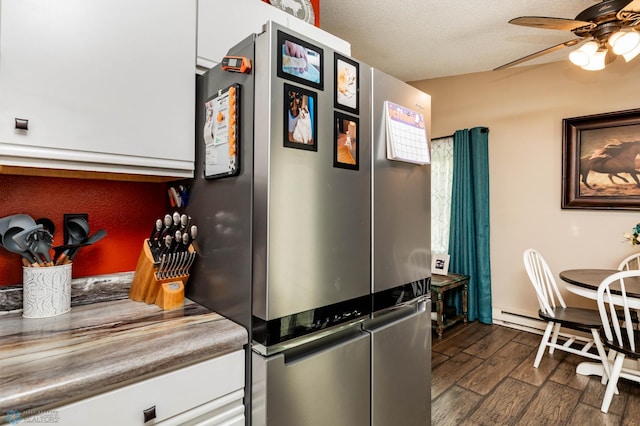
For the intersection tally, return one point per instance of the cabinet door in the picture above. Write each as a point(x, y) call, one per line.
point(219, 29)
point(210, 391)
point(106, 85)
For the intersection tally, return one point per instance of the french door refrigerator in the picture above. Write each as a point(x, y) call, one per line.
point(299, 241)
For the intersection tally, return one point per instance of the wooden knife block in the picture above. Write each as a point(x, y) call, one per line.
point(167, 293)
point(170, 295)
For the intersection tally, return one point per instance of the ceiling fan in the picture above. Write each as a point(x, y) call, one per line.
point(610, 28)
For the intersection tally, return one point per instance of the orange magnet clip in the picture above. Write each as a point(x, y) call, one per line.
point(236, 64)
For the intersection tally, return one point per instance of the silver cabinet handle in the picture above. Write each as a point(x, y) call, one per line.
point(22, 124)
point(149, 414)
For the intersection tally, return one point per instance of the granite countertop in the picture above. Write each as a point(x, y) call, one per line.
point(96, 347)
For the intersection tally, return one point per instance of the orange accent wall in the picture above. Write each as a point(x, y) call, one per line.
point(316, 10)
point(126, 210)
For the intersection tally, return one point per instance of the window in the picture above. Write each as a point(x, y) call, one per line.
point(441, 183)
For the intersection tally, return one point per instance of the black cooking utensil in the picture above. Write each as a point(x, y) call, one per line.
point(47, 224)
point(39, 243)
point(14, 246)
point(72, 249)
point(100, 234)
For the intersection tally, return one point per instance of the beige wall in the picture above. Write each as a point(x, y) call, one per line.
point(523, 108)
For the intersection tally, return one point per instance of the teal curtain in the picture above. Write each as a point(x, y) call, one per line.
point(469, 233)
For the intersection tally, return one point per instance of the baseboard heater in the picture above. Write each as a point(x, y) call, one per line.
point(525, 322)
point(519, 321)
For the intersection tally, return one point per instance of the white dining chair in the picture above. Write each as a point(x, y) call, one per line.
point(618, 334)
point(630, 262)
point(554, 310)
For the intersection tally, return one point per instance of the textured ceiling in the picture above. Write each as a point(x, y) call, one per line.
point(421, 39)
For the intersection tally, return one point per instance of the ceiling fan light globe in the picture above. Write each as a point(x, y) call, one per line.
point(582, 56)
point(632, 54)
point(597, 61)
point(624, 42)
point(613, 38)
point(590, 48)
point(579, 58)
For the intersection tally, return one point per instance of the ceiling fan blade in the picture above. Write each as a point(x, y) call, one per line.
point(631, 10)
point(552, 23)
point(540, 53)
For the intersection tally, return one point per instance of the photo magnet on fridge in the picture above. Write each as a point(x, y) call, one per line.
point(346, 74)
point(346, 145)
point(300, 118)
point(300, 61)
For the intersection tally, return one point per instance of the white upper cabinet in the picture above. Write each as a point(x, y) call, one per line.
point(106, 85)
point(223, 24)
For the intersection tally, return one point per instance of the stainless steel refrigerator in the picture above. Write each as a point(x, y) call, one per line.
point(310, 237)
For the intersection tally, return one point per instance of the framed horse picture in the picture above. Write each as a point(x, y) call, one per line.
point(600, 161)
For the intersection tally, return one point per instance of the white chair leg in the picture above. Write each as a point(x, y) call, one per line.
point(611, 356)
point(543, 344)
point(613, 382)
point(603, 356)
point(554, 339)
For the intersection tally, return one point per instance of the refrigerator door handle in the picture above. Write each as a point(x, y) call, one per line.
point(420, 302)
point(329, 342)
point(306, 339)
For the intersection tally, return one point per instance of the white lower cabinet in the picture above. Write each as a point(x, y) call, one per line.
point(103, 85)
point(207, 393)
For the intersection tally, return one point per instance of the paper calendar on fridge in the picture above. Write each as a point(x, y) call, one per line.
point(406, 134)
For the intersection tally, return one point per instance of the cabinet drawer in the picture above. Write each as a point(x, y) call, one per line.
point(172, 394)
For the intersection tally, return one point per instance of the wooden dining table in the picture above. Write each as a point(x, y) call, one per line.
point(585, 282)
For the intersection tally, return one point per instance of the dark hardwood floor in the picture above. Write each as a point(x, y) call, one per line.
point(484, 375)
